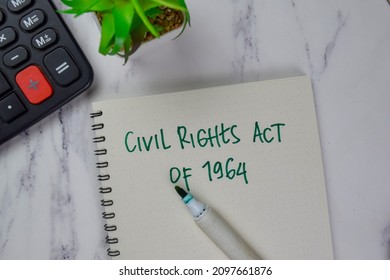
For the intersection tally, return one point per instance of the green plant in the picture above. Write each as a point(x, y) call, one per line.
point(125, 22)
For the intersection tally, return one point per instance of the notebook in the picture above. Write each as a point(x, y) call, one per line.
point(251, 151)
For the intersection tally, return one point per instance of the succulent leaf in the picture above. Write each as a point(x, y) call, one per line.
point(108, 34)
point(123, 17)
point(140, 12)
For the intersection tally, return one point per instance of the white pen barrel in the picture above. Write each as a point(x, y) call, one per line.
point(225, 237)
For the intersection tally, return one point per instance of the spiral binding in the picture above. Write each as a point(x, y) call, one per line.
point(109, 228)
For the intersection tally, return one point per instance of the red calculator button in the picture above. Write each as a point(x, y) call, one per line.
point(34, 84)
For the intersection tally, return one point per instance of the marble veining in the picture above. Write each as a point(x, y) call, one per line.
point(317, 71)
point(244, 26)
point(49, 199)
point(331, 45)
point(386, 238)
point(63, 238)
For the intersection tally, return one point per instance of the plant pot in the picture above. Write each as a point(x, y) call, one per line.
point(172, 22)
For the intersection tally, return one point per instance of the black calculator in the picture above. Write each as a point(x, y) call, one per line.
point(41, 65)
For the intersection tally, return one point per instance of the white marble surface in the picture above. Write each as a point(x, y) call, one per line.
point(49, 203)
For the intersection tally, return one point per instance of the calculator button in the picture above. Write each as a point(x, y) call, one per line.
point(11, 108)
point(2, 17)
point(44, 39)
point(15, 57)
point(34, 84)
point(33, 20)
point(18, 5)
point(7, 36)
point(4, 85)
point(61, 66)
